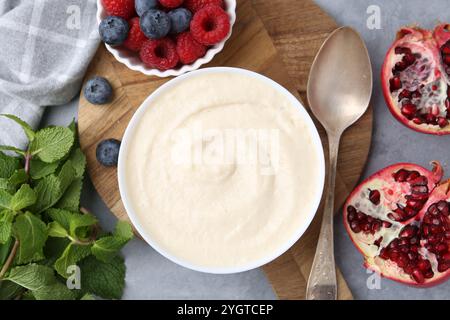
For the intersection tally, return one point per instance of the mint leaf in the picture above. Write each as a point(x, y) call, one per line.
point(13, 149)
point(56, 230)
point(19, 177)
point(63, 217)
point(66, 176)
point(123, 229)
point(5, 185)
point(106, 280)
point(23, 198)
point(56, 291)
point(48, 193)
point(78, 160)
point(52, 144)
point(71, 256)
point(40, 169)
point(107, 248)
point(5, 199)
point(32, 234)
point(6, 223)
point(87, 296)
point(9, 290)
point(25, 126)
point(8, 165)
point(71, 198)
point(32, 276)
point(80, 224)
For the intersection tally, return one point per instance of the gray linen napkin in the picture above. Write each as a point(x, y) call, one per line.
point(45, 48)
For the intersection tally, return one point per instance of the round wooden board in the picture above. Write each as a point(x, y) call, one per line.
point(288, 274)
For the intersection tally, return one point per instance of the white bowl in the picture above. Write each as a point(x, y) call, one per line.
point(133, 62)
point(128, 140)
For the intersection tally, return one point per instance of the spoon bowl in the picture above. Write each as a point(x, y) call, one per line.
point(340, 83)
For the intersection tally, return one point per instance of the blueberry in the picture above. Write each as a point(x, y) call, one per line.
point(180, 19)
point(145, 5)
point(98, 91)
point(113, 30)
point(108, 152)
point(155, 24)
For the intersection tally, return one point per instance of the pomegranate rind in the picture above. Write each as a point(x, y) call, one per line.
point(411, 37)
point(386, 268)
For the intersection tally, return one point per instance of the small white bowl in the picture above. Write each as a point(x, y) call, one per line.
point(128, 140)
point(133, 62)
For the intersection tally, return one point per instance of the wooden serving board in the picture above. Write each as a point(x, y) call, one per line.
point(277, 38)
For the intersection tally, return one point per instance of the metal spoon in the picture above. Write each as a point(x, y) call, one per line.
point(339, 92)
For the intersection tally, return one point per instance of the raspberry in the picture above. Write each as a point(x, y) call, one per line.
point(188, 49)
point(120, 8)
point(195, 5)
point(210, 25)
point(160, 54)
point(171, 3)
point(136, 37)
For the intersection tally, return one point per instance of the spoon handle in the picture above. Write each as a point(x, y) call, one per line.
point(322, 283)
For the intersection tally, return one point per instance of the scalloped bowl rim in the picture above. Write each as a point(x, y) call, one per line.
point(123, 56)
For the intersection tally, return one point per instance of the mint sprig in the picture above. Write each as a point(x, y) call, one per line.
point(44, 232)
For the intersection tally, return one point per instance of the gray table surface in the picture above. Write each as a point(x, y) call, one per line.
point(150, 276)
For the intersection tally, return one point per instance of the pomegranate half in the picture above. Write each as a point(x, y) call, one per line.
point(416, 79)
point(399, 220)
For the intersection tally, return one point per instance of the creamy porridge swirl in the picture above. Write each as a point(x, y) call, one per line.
point(221, 170)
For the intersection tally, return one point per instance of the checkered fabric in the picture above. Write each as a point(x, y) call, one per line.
point(45, 48)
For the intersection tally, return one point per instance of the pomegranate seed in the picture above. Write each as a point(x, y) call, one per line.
point(440, 248)
point(405, 94)
point(366, 227)
point(417, 120)
point(413, 175)
point(409, 110)
point(400, 66)
point(412, 256)
point(403, 242)
point(408, 232)
point(409, 59)
point(402, 50)
point(429, 274)
point(376, 226)
point(442, 206)
point(447, 235)
point(409, 269)
point(395, 84)
point(430, 119)
point(360, 216)
point(384, 254)
point(370, 219)
point(414, 204)
point(402, 260)
point(436, 222)
point(442, 267)
point(433, 209)
point(442, 122)
point(387, 224)
point(374, 197)
point(414, 248)
point(424, 265)
point(401, 175)
point(355, 227)
point(447, 59)
point(418, 276)
point(446, 257)
point(446, 50)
